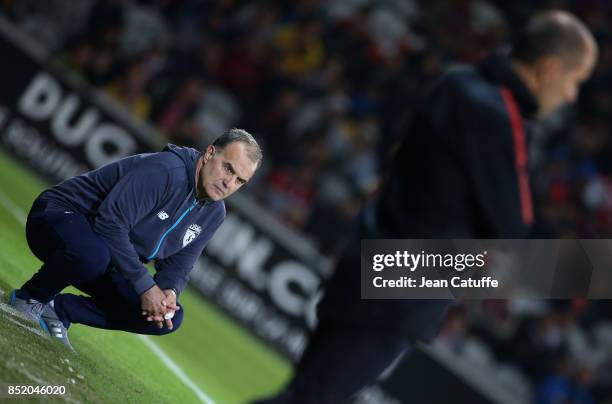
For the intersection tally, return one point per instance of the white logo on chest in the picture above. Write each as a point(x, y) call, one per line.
point(162, 215)
point(192, 232)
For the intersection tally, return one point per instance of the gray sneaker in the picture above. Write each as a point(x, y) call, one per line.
point(30, 308)
point(54, 325)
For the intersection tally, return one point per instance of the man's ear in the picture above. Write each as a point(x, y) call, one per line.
point(548, 68)
point(210, 150)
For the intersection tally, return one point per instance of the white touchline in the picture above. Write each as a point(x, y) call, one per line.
point(13, 209)
point(20, 216)
point(175, 369)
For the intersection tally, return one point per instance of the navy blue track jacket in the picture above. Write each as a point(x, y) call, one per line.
point(145, 208)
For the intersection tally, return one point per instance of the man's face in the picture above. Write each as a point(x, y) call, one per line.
point(224, 171)
point(558, 84)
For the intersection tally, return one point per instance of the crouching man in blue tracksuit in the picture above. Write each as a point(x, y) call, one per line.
point(94, 232)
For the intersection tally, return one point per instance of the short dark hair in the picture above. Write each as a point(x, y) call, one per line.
point(552, 33)
point(240, 135)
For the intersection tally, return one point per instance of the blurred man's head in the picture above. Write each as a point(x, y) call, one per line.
point(228, 164)
point(554, 55)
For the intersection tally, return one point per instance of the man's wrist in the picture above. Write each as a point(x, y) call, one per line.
point(144, 283)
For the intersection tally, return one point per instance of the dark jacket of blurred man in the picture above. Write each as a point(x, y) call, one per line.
point(94, 231)
point(460, 172)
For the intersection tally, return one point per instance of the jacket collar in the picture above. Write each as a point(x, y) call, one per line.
point(497, 69)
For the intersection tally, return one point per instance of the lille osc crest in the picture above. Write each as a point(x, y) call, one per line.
point(192, 232)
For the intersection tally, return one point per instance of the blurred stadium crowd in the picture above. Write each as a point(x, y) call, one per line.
point(327, 87)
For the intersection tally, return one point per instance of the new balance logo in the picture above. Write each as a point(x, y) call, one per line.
point(163, 215)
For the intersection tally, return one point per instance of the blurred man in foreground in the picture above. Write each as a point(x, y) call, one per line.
point(94, 232)
point(460, 172)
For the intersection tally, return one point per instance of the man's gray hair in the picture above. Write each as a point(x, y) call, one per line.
point(240, 135)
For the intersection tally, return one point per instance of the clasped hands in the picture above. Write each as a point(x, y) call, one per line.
point(157, 304)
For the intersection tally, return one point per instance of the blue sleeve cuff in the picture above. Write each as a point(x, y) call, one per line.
point(143, 284)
